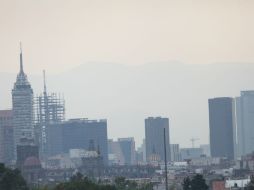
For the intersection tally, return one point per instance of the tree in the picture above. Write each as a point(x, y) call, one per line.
point(250, 185)
point(198, 183)
point(120, 183)
point(79, 182)
point(11, 179)
point(186, 183)
point(172, 187)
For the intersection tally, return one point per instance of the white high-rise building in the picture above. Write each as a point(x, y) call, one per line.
point(175, 153)
point(22, 102)
point(245, 123)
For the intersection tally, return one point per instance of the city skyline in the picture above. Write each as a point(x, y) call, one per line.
point(161, 51)
point(73, 112)
point(127, 94)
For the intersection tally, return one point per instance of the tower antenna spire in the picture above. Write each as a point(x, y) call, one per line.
point(44, 82)
point(21, 58)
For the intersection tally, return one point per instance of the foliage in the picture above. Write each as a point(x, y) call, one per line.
point(122, 184)
point(250, 185)
point(78, 182)
point(173, 187)
point(186, 184)
point(196, 183)
point(11, 179)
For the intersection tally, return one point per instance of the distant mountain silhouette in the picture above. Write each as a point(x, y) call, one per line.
point(125, 95)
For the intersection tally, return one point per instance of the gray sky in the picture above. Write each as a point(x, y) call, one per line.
point(60, 34)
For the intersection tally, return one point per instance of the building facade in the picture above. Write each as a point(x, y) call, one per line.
point(6, 137)
point(175, 153)
point(123, 151)
point(128, 148)
point(245, 123)
point(154, 137)
point(222, 127)
point(190, 153)
point(22, 103)
point(78, 134)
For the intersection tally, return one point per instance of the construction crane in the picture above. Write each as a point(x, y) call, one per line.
point(193, 140)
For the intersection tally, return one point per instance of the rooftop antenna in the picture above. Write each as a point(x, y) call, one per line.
point(21, 58)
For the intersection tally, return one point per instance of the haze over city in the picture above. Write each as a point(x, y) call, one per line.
point(126, 60)
point(126, 95)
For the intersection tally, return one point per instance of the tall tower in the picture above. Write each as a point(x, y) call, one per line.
point(245, 122)
point(222, 127)
point(154, 133)
point(22, 103)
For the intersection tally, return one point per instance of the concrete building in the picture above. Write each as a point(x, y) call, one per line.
point(116, 156)
point(245, 123)
point(175, 153)
point(190, 153)
point(122, 151)
point(128, 149)
point(25, 149)
point(78, 134)
point(6, 137)
point(222, 127)
point(22, 102)
point(154, 136)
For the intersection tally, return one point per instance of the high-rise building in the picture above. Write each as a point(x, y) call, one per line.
point(22, 102)
point(222, 127)
point(128, 149)
point(175, 152)
point(245, 123)
point(6, 137)
point(78, 134)
point(154, 137)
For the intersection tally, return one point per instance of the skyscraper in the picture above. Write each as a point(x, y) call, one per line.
point(22, 102)
point(222, 127)
point(245, 122)
point(154, 135)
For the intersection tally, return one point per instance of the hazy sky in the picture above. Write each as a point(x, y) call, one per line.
point(60, 34)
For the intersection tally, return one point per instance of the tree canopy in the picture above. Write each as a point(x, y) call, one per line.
point(11, 179)
point(196, 183)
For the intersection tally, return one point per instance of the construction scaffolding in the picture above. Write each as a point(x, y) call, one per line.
point(49, 109)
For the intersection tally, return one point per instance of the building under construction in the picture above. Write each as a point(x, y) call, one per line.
point(49, 109)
